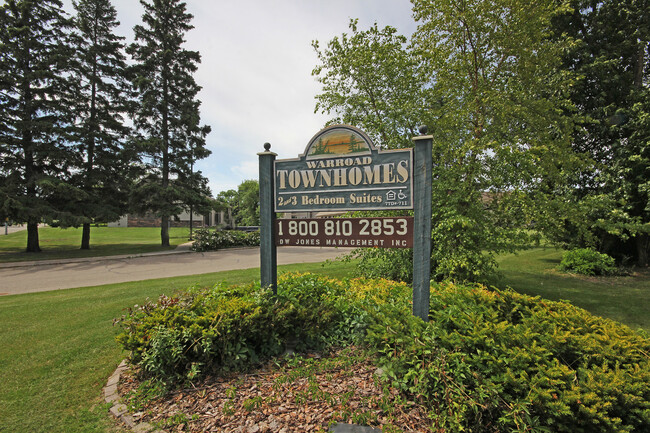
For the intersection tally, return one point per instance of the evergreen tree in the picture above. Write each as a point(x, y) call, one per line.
point(168, 113)
point(35, 160)
point(100, 105)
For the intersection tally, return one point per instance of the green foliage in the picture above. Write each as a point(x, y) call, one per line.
point(392, 264)
point(609, 55)
point(586, 261)
point(371, 80)
point(242, 206)
point(248, 206)
point(488, 360)
point(233, 328)
point(104, 169)
point(212, 240)
point(35, 112)
point(485, 79)
point(494, 361)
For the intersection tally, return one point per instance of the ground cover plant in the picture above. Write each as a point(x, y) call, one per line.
point(212, 240)
point(489, 360)
point(58, 243)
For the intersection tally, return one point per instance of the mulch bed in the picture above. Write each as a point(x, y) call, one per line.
point(301, 394)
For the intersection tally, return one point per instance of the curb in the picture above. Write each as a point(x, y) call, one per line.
point(119, 409)
point(180, 249)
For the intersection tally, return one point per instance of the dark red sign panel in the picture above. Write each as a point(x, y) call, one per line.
point(381, 232)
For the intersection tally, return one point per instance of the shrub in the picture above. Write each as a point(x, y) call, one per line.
point(493, 360)
point(488, 360)
point(586, 261)
point(212, 240)
point(225, 328)
point(198, 331)
point(392, 264)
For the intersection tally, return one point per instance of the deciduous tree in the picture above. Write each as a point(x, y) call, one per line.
point(248, 203)
point(482, 74)
point(610, 55)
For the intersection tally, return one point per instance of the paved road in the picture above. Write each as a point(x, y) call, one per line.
point(40, 276)
point(13, 228)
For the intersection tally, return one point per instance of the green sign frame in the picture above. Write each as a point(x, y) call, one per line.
point(342, 170)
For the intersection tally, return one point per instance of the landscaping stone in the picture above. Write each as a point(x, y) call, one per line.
point(118, 410)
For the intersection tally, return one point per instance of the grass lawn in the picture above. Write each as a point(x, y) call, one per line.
point(58, 348)
point(58, 243)
point(534, 272)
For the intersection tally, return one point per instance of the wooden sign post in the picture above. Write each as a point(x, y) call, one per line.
point(268, 251)
point(422, 236)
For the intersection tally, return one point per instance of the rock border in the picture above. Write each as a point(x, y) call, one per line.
point(119, 409)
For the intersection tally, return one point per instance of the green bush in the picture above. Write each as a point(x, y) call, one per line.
point(196, 332)
point(392, 264)
point(224, 328)
point(586, 261)
point(488, 360)
point(212, 240)
point(495, 361)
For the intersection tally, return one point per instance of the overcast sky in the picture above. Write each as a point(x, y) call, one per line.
point(256, 68)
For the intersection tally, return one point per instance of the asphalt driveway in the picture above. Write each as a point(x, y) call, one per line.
point(43, 276)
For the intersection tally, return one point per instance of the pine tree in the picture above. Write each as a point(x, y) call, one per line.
point(35, 160)
point(100, 106)
point(168, 114)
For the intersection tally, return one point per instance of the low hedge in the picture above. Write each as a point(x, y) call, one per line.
point(488, 360)
point(212, 240)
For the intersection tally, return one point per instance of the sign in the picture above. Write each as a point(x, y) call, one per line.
point(341, 170)
point(379, 232)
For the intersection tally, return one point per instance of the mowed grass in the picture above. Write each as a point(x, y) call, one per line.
point(58, 348)
point(58, 243)
point(624, 299)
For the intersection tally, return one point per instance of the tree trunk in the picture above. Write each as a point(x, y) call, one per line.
point(642, 244)
point(90, 165)
point(164, 221)
point(32, 237)
point(164, 230)
point(85, 236)
point(191, 223)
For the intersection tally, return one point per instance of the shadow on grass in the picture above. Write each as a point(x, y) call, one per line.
point(74, 253)
point(551, 261)
point(621, 298)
